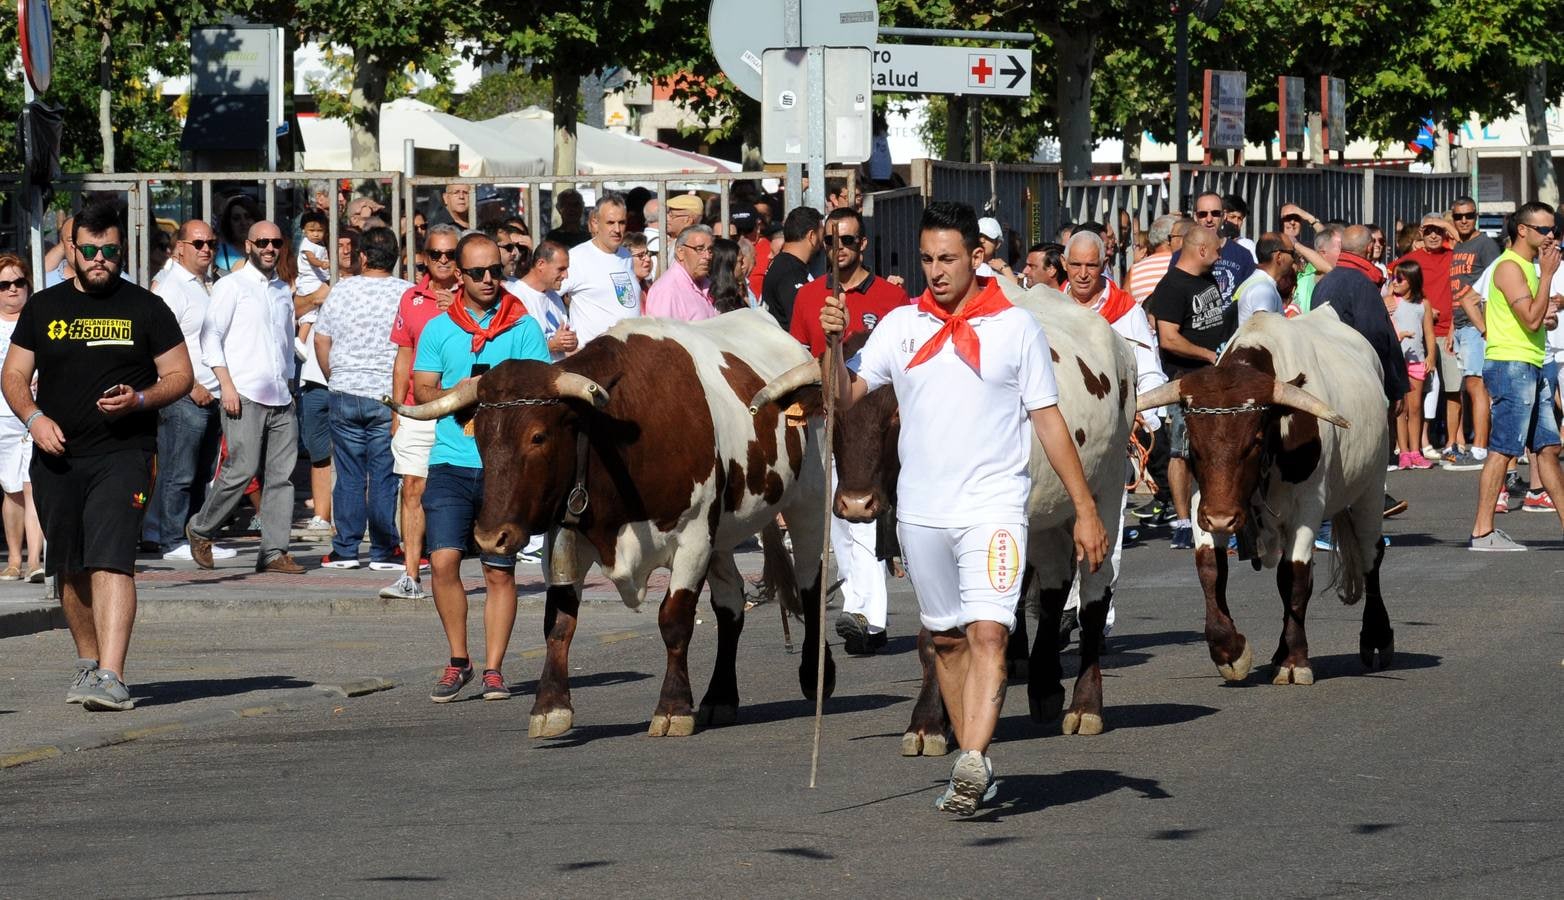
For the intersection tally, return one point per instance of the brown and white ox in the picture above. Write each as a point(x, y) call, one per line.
point(1095, 370)
point(1266, 463)
point(649, 425)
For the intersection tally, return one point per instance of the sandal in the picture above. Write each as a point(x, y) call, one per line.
point(36, 576)
point(11, 573)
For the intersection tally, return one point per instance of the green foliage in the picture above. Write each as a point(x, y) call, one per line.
point(503, 92)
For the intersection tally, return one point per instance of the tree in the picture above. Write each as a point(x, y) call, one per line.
point(504, 92)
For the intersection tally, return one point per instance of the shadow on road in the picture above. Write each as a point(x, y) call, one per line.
point(164, 693)
point(781, 710)
point(1344, 665)
point(1152, 715)
point(593, 679)
point(1022, 794)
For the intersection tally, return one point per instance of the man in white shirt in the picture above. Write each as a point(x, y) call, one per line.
point(973, 378)
point(601, 289)
point(1274, 276)
point(539, 291)
point(247, 341)
point(189, 429)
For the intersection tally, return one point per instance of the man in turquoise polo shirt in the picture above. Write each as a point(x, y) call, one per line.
point(486, 326)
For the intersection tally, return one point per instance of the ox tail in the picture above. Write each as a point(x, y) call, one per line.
point(1347, 559)
point(778, 580)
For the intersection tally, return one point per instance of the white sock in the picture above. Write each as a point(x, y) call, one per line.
point(1181, 523)
point(1479, 452)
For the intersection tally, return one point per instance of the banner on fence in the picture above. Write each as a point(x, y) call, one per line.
point(1290, 113)
point(1225, 95)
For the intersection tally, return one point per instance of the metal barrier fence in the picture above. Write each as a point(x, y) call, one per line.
point(892, 224)
point(1327, 193)
point(1405, 197)
point(1022, 197)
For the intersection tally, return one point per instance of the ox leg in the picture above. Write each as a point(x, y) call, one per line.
point(1377, 633)
point(1018, 660)
point(1085, 714)
point(674, 715)
point(1229, 650)
point(808, 665)
point(720, 706)
point(1045, 687)
point(1295, 582)
point(928, 732)
point(552, 714)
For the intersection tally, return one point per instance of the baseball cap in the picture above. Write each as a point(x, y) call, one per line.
point(989, 228)
point(743, 217)
point(687, 203)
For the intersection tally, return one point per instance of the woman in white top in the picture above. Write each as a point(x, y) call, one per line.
point(16, 447)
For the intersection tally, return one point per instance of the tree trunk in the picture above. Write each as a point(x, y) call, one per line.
point(1073, 69)
point(1545, 185)
point(975, 130)
point(364, 100)
point(567, 110)
point(105, 96)
point(955, 127)
point(1441, 139)
point(1129, 157)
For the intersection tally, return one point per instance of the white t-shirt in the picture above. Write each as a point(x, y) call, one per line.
point(602, 290)
point(965, 441)
point(304, 351)
point(545, 307)
point(9, 423)
point(310, 278)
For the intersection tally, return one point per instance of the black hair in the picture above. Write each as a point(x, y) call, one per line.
point(946, 215)
point(1096, 228)
point(800, 222)
point(98, 217)
point(845, 212)
point(1266, 248)
point(379, 246)
point(1053, 259)
point(313, 217)
point(1413, 273)
point(1235, 204)
point(834, 186)
point(1040, 247)
point(1529, 209)
point(727, 291)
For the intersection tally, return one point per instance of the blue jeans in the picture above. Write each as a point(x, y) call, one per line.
point(1522, 408)
point(315, 422)
point(366, 487)
point(188, 437)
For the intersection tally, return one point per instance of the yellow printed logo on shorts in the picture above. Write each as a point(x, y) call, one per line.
point(1004, 561)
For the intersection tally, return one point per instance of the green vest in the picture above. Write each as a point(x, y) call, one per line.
point(1508, 339)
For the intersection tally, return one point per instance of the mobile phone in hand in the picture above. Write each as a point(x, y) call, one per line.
point(480, 368)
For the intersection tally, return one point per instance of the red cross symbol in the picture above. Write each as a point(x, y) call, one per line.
point(982, 71)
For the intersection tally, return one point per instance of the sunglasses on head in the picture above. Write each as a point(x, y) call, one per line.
point(18, 284)
point(90, 251)
point(267, 243)
point(1463, 217)
point(849, 241)
point(440, 255)
point(476, 273)
point(200, 244)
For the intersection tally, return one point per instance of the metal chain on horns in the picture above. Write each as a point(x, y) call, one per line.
point(520, 402)
point(1224, 410)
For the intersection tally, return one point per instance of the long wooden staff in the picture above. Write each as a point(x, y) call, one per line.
point(832, 348)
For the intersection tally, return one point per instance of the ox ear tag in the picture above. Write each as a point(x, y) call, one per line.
point(467, 429)
point(796, 414)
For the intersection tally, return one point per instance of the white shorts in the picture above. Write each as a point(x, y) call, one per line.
point(16, 454)
point(965, 575)
point(410, 447)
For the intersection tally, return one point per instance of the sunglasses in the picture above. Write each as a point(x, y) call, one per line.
point(1293, 220)
point(1433, 232)
point(90, 251)
point(1463, 217)
point(476, 273)
point(849, 241)
point(202, 244)
point(267, 243)
point(1208, 214)
point(1398, 279)
point(421, 268)
point(508, 248)
point(18, 284)
point(1543, 230)
point(440, 255)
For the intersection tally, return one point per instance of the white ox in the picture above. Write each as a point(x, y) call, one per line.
point(1271, 470)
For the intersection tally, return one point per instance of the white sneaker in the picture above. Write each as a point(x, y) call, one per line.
point(971, 784)
point(404, 588)
point(316, 523)
point(182, 553)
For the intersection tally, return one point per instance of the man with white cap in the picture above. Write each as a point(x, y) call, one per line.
point(990, 235)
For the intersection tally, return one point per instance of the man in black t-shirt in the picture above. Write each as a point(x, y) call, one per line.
point(108, 354)
point(1193, 322)
point(789, 269)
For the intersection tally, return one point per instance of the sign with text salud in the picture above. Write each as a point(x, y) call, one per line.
point(1223, 119)
point(970, 71)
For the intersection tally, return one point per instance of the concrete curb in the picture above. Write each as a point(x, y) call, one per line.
point(31, 621)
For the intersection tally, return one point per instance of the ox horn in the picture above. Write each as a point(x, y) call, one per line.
point(1165, 395)
point(791, 380)
point(1297, 398)
point(460, 397)
point(569, 384)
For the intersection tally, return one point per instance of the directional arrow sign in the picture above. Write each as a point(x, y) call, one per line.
point(974, 71)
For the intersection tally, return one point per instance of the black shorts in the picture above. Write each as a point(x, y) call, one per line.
point(91, 508)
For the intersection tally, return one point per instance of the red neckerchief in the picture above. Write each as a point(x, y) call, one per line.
point(1359, 264)
point(1116, 304)
point(958, 326)
point(511, 311)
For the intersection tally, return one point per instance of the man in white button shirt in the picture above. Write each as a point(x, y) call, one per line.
point(600, 289)
point(248, 343)
point(189, 429)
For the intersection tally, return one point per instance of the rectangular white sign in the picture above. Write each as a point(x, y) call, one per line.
point(973, 71)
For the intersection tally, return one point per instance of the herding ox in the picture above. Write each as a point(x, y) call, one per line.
point(1095, 370)
point(1265, 462)
point(641, 446)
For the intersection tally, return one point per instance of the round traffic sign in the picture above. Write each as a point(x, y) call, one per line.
point(743, 30)
point(36, 33)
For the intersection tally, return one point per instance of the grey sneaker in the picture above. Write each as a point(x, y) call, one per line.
point(86, 673)
point(451, 682)
point(106, 692)
point(1461, 461)
point(1495, 541)
point(971, 783)
point(404, 588)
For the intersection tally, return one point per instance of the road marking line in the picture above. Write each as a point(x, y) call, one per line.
point(26, 756)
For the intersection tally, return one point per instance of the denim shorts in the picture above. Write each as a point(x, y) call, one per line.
point(452, 497)
point(315, 422)
point(1178, 434)
point(1522, 408)
point(1470, 345)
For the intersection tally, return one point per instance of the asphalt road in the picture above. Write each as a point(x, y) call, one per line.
point(1438, 778)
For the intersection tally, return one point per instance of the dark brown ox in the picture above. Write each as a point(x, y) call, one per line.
point(638, 452)
point(1274, 456)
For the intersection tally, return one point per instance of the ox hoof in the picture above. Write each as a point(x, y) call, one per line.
point(915, 744)
point(1366, 650)
point(717, 714)
point(1076, 722)
point(553, 723)
point(806, 679)
point(671, 726)
point(1047, 707)
point(1018, 669)
point(1238, 670)
point(1293, 675)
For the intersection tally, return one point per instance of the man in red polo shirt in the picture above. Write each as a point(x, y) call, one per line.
point(862, 623)
point(1439, 237)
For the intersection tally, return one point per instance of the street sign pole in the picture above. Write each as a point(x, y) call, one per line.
point(32, 198)
point(793, 36)
point(816, 195)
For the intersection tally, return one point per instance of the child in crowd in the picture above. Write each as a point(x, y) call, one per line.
point(1414, 323)
point(314, 264)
